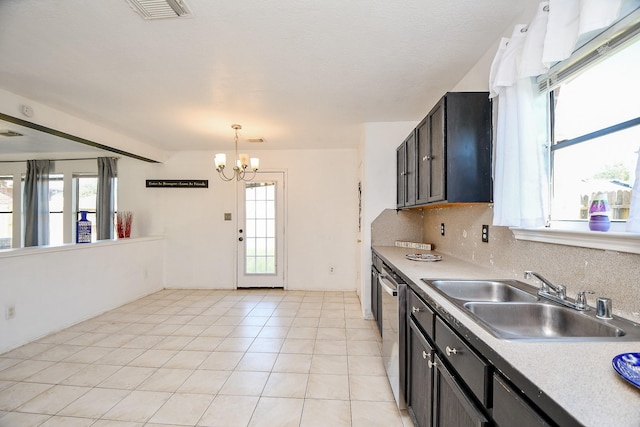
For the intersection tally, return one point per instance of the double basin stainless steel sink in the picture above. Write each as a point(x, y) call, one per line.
point(512, 310)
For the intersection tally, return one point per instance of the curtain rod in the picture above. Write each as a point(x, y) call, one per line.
point(55, 160)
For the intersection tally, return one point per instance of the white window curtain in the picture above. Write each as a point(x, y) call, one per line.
point(521, 148)
point(633, 222)
point(521, 171)
point(36, 203)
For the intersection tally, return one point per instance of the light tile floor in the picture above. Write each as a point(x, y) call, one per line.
point(206, 358)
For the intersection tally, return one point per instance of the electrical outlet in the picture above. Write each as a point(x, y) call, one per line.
point(332, 269)
point(485, 233)
point(442, 229)
point(11, 312)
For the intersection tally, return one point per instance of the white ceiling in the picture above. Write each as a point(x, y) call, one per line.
point(298, 73)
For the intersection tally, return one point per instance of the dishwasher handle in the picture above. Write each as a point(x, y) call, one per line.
point(391, 290)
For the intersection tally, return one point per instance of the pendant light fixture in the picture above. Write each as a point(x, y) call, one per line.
point(242, 162)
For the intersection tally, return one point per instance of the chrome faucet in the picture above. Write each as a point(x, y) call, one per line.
point(558, 293)
point(545, 285)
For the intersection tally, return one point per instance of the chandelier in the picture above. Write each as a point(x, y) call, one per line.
point(241, 164)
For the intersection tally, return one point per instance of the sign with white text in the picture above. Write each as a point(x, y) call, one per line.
point(177, 183)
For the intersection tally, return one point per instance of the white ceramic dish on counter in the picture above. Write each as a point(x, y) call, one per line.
point(424, 257)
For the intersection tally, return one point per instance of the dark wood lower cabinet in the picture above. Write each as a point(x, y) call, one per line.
point(420, 396)
point(376, 299)
point(453, 408)
point(435, 397)
point(510, 407)
point(454, 380)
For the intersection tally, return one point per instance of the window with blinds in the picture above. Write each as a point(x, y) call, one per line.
point(595, 124)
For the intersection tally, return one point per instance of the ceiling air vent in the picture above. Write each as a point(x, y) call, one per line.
point(9, 133)
point(159, 9)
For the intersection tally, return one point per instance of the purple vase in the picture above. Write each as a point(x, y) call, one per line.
point(599, 223)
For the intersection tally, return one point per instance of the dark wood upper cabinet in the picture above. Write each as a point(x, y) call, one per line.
point(452, 153)
point(406, 172)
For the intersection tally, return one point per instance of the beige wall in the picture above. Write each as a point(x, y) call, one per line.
point(321, 225)
point(610, 274)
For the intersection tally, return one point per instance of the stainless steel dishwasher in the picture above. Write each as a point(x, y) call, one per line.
point(393, 295)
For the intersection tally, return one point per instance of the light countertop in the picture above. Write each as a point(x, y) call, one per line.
point(578, 376)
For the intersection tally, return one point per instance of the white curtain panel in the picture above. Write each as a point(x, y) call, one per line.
point(633, 222)
point(521, 148)
point(36, 203)
point(520, 174)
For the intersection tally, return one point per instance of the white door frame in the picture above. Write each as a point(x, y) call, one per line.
point(278, 280)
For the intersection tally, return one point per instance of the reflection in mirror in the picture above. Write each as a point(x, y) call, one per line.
point(72, 179)
point(21, 140)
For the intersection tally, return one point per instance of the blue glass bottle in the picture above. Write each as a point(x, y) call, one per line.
point(83, 229)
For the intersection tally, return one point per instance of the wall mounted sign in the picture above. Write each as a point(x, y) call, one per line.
point(177, 183)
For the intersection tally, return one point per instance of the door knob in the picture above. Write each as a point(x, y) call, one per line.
point(240, 239)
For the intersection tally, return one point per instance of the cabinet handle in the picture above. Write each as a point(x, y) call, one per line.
point(426, 355)
point(427, 158)
point(415, 310)
point(431, 364)
point(451, 351)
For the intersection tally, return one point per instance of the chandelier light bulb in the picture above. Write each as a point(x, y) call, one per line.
point(221, 160)
point(255, 163)
point(242, 162)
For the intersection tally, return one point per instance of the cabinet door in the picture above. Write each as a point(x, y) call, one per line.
point(452, 406)
point(411, 165)
point(423, 170)
point(510, 408)
point(468, 149)
point(378, 297)
point(420, 376)
point(406, 172)
point(375, 297)
point(430, 150)
point(437, 169)
point(401, 172)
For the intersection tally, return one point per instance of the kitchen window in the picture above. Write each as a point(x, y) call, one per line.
point(596, 137)
point(594, 118)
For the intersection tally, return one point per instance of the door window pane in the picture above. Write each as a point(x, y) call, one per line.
point(260, 228)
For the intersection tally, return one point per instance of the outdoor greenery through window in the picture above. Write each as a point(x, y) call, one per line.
point(596, 136)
